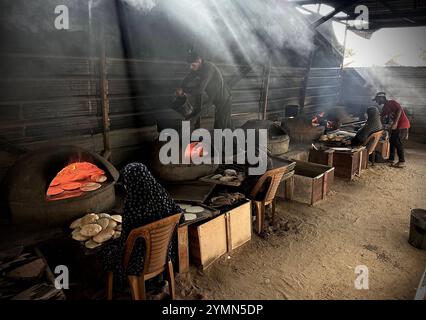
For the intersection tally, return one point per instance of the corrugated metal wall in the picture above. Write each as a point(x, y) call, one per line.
point(54, 99)
point(322, 90)
point(50, 90)
point(407, 85)
point(39, 103)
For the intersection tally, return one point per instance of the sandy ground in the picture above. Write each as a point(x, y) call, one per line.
point(364, 222)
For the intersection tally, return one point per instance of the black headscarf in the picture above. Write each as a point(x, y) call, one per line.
point(373, 125)
point(146, 201)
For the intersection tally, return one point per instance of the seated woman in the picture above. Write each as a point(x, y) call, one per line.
point(146, 201)
point(372, 126)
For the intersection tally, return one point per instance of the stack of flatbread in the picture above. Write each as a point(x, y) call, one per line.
point(229, 175)
point(190, 211)
point(94, 229)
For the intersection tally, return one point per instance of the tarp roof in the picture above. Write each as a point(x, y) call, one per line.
point(382, 13)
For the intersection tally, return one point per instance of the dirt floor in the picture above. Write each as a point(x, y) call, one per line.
point(314, 253)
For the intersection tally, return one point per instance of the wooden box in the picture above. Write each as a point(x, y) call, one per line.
point(239, 226)
point(324, 157)
point(311, 182)
point(384, 148)
point(208, 241)
point(364, 159)
point(347, 164)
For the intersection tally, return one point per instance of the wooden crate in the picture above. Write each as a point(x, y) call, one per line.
point(239, 226)
point(364, 159)
point(384, 148)
point(311, 182)
point(208, 241)
point(324, 157)
point(348, 164)
point(183, 249)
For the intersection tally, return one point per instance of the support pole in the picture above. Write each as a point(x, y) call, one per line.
point(343, 61)
point(105, 100)
point(302, 96)
point(266, 93)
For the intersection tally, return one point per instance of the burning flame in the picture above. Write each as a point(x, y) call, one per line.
point(194, 149)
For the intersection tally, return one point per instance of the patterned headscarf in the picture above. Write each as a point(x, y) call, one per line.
point(146, 201)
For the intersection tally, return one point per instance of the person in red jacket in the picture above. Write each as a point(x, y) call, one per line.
point(394, 115)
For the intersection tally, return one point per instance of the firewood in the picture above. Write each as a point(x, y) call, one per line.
point(32, 270)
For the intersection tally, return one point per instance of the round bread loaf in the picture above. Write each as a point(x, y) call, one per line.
point(90, 230)
point(103, 236)
point(89, 218)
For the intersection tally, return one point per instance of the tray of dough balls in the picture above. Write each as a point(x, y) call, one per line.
point(95, 229)
point(227, 177)
point(195, 212)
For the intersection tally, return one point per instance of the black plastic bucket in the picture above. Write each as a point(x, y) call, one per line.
point(183, 106)
point(418, 229)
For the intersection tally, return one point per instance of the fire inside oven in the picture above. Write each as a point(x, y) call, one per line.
point(195, 149)
point(75, 180)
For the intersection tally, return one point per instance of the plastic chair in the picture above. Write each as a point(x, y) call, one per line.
point(274, 177)
point(157, 237)
point(371, 145)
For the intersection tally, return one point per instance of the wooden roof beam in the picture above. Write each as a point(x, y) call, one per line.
point(345, 5)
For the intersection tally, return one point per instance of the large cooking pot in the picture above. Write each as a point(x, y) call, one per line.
point(177, 172)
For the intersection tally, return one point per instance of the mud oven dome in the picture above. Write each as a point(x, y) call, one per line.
point(30, 177)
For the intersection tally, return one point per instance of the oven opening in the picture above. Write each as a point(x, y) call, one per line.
point(75, 180)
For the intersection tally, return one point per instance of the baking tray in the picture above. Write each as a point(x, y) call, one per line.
point(224, 183)
point(206, 214)
point(196, 191)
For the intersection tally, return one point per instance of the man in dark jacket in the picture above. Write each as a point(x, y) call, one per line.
point(205, 77)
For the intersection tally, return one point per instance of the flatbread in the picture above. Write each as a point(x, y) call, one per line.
point(112, 224)
point(71, 186)
point(55, 183)
point(90, 186)
point(76, 235)
point(194, 209)
point(99, 178)
point(190, 216)
point(90, 230)
point(104, 215)
point(91, 244)
point(89, 218)
point(184, 206)
point(230, 172)
point(76, 224)
point(54, 191)
point(103, 236)
point(117, 218)
point(103, 222)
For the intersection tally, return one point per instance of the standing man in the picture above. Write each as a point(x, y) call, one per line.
point(206, 77)
point(399, 125)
